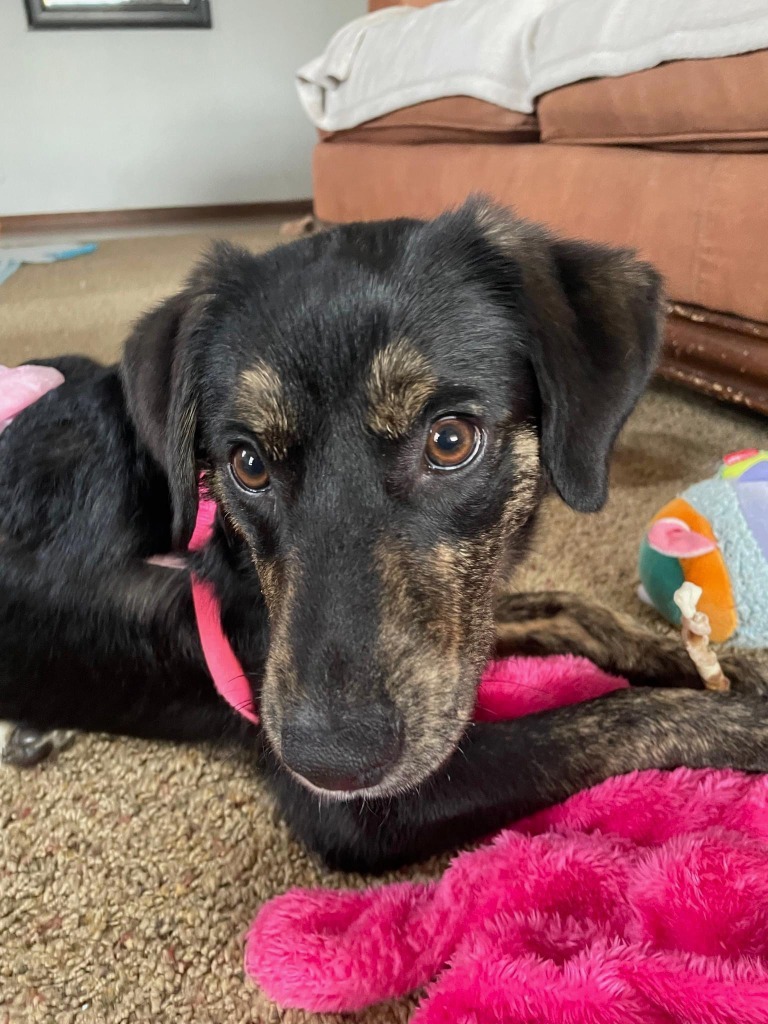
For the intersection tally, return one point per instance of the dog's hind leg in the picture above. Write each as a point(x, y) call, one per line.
point(560, 623)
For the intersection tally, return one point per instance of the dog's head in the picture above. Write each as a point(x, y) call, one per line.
point(378, 408)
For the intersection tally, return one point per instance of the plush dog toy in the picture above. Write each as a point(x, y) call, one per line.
point(715, 535)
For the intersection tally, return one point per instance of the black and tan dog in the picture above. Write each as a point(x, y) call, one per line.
point(378, 410)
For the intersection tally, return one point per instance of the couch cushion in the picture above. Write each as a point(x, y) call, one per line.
point(702, 218)
point(449, 119)
point(702, 104)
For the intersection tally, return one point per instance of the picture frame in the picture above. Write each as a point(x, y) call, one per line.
point(62, 14)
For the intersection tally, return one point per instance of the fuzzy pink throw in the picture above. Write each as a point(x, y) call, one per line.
point(641, 901)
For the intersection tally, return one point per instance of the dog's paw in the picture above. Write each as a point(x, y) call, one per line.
point(24, 746)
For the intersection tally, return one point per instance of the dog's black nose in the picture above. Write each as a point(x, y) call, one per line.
point(341, 751)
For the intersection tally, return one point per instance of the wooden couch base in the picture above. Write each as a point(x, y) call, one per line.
point(723, 356)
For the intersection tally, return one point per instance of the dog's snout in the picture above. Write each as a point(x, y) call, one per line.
point(341, 752)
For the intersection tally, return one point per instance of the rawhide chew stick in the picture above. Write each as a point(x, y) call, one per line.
point(695, 631)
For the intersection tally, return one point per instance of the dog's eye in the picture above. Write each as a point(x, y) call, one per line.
point(452, 442)
point(248, 468)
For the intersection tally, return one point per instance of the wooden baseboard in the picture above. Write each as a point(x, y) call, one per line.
point(105, 219)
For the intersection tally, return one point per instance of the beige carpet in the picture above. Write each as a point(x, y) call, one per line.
point(129, 871)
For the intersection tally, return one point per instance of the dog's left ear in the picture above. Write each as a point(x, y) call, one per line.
point(595, 317)
point(164, 368)
point(161, 371)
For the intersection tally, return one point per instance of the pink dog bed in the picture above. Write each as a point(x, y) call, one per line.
point(641, 901)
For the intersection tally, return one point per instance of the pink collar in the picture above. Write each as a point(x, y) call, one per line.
point(223, 664)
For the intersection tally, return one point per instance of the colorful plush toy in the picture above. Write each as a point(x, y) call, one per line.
point(715, 535)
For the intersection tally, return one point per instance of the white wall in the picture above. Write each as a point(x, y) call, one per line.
point(120, 119)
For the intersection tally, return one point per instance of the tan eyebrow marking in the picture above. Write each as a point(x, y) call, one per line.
point(399, 385)
point(262, 404)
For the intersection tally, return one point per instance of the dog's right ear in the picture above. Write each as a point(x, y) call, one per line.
point(594, 317)
point(160, 380)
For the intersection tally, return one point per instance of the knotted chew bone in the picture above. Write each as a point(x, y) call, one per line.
point(695, 632)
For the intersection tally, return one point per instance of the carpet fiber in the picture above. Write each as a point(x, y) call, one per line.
point(130, 871)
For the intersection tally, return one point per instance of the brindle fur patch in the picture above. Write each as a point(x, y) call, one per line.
point(660, 728)
point(399, 385)
point(262, 403)
point(419, 648)
point(217, 489)
point(526, 492)
point(435, 633)
point(271, 578)
point(528, 245)
point(278, 580)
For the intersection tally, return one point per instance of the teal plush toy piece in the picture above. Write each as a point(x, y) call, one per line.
point(715, 535)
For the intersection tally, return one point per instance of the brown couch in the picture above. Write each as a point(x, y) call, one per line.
point(672, 161)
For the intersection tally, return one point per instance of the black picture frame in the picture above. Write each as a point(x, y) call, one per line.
point(147, 14)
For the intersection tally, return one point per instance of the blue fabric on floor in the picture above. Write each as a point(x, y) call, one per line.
point(8, 266)
point(12, 259)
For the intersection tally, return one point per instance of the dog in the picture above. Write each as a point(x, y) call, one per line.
point(377, 411)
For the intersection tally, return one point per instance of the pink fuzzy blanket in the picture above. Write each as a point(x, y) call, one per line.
point(641, 901)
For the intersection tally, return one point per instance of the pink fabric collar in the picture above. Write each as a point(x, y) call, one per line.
point(223, 664)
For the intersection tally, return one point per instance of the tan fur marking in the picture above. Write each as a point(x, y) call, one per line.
point(271, 578)
point(399, 385)
point(279, 584)
point(522, 501)
point(262, 403)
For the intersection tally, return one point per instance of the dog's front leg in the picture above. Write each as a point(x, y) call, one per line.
point(506, 770)
point(114, 652)
point(561, 623)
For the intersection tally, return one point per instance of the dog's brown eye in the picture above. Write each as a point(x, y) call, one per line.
point(452, 442)
point(248, 468)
